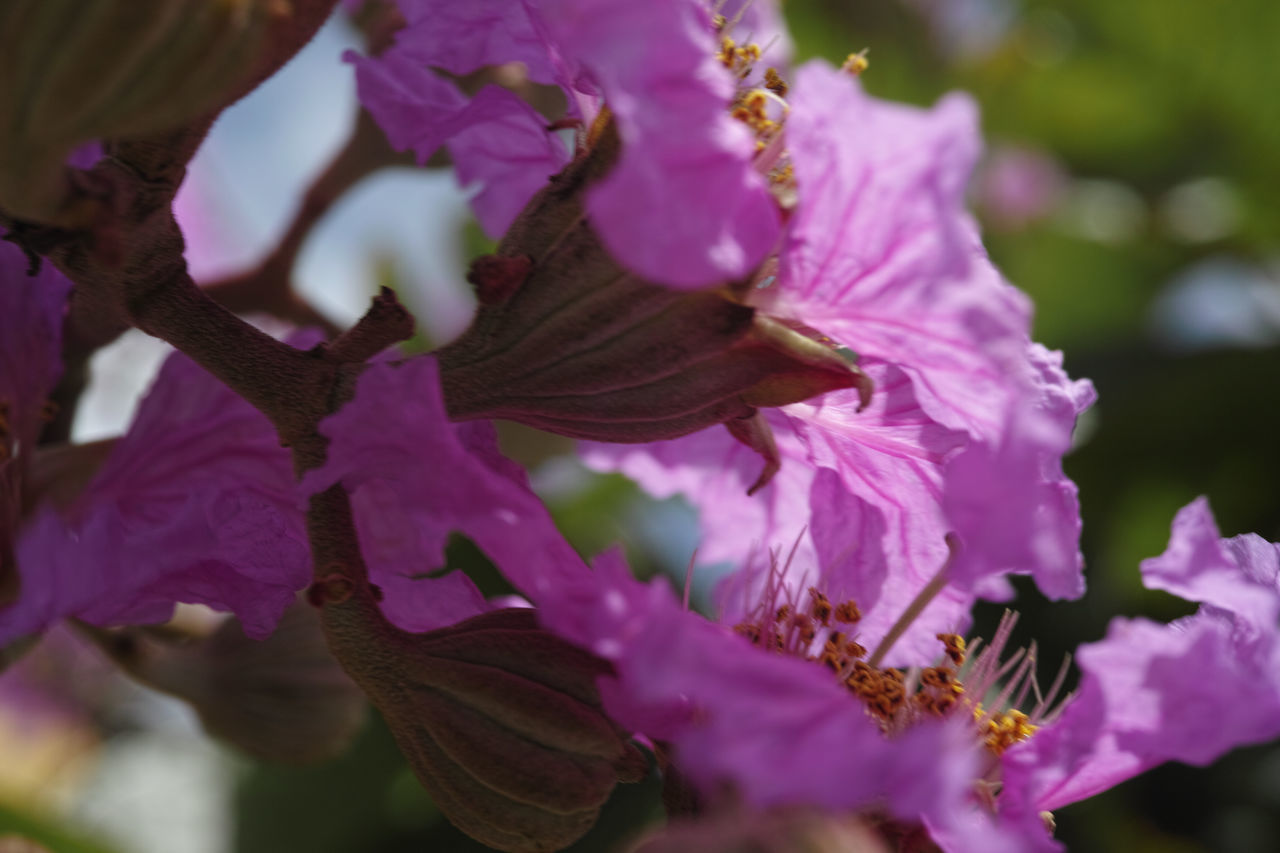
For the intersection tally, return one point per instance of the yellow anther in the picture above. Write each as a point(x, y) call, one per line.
point(955, 647)
point(1006, 729)
point(774, 83)
point(726, 54)
point(848, 612)
point(820, 608)
point(856, 63)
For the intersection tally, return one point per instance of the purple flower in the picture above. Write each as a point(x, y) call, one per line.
point(1010, 504)
point(795, 710)
point(31, 309)
point(194, 504)
point(684, 205)
point(1187, 691)
point(415, 478)
point(775, 716)
point(969, 419)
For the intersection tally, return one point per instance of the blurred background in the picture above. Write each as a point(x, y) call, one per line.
point(1130, 186)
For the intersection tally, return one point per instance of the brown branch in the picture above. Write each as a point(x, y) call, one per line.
point(157, 163)
point(128, 270)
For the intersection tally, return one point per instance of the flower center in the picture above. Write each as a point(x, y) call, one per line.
point(958, 682)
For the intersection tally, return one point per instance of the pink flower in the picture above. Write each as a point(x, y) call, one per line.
point(776, 725)
point(415, 478)
point(31, 309)
point(1187, 691)
point(969, 419)
point(773, 725)
point(195, 504)
point(684, 205)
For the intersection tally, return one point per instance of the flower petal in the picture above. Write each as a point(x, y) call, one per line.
point(497, 140)
point(415, 478)
point(1237, 575)
point(683, 206)
point(881, 256)
point(194, 504)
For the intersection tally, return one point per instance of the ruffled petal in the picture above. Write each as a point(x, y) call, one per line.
point(684, 205)
point(31, 311)
point(465, 37)
point(1232, 574)
point(194, 504)
point(778, 729)
point(888, 458)
point(881, 256)
point(498, 142)
point(415, 478)
point(1009, 503)
point(1188, 691)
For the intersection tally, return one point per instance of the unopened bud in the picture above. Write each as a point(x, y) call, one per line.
point(75, 70)
point(786, 830)
point(500, 720)
point(282, 699)
point(568, 341)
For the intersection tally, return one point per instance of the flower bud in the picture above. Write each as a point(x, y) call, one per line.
point(282, 699)
point(75, 70)
point(500, 720)
point(568, 341)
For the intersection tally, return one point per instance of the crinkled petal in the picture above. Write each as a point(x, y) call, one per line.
point(1151, 693)
point(881, 256)
point(778, 729)
point(496, 140)
point(194, 504)
point(713, 471)
point(465, 37)
point(888, 456)
point(31, 311)
point(684, 205)
point(1236, 575)
point(415, 478)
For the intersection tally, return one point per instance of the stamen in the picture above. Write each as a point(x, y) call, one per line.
point(688, 578)
point(856, 63)
point(918, 604)
point(774, 82)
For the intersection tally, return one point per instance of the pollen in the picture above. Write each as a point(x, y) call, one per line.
point(954, 645)
point(820, 606)
point(774, 83)
point(1005, 729)
point(856, 63)
point(739, 59)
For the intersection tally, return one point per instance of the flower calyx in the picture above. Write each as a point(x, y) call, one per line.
point(500, 720)
point(73, 72)
point(567, 340)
